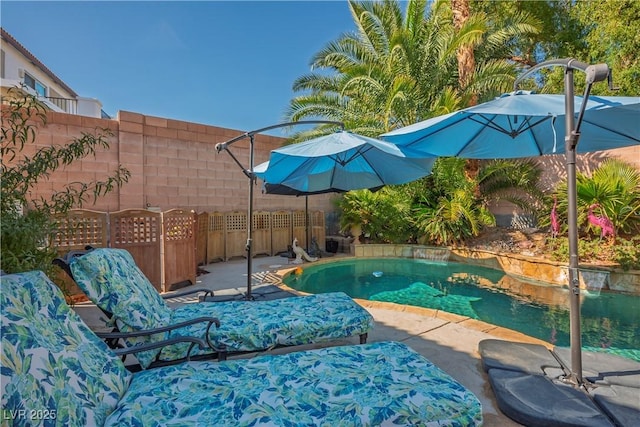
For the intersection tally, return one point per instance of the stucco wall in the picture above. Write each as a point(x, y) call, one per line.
point(15, 61)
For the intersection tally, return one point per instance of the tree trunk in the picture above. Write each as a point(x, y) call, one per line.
point(466, 58)
point(466, 67)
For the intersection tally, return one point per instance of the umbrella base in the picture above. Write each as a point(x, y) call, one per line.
point(526, 381)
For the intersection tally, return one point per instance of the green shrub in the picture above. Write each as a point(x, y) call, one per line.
point(627, 253)
point(445, 207)
point(383, 216)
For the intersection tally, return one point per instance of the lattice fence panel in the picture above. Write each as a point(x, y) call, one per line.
point(318, 228)
point(179, 248)
point(299, 228)
point(79, 228)
point(139, 231)
point(202, 223)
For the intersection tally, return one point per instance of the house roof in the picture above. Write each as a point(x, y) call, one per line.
point(35, 61)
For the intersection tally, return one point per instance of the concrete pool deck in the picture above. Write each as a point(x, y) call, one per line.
point(450, 341)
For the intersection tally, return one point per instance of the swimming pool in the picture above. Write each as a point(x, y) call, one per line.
point(610, 321)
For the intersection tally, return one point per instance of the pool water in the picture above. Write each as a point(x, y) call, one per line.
point(610, 322)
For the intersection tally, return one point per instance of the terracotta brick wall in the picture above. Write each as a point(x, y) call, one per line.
point(173, 164)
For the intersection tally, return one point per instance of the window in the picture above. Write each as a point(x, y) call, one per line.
point(34, 84)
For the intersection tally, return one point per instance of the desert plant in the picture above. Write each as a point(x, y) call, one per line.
point(28, 224)
point(615, 187)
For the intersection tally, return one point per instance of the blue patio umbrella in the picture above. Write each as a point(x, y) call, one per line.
point(341, 161)
point(338, 162)
point(523, 124)
point(283, 190)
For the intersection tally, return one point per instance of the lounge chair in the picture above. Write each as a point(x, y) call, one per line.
point(112, 280)
point(56, 371)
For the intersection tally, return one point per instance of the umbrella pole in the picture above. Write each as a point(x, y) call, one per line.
point(250, 173)
point(572, 219)
point(248, 295)
point(306, 221)
point(594, 73)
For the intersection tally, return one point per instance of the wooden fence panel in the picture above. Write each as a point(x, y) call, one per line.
point(215, 237)
point(318, 229)
point(189, 239)
point(261, 233)
point(299, 228)
point(235, 238)
point(140, 232)
point(76, 229)
point(280, 231)
point(202, 222)
point(179, 248)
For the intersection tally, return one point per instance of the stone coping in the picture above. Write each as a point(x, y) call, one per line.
point(467, 322)
point(592, 277)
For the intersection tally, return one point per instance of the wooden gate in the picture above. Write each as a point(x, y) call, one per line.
point(139, 231)
point(179, 248)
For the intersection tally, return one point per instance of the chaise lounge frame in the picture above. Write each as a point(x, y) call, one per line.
point(100, 269)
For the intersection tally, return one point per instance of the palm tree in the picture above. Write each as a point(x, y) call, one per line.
point(373, 86)
point(400, 68)
point(397, 69)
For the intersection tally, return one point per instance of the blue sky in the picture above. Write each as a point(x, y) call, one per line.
point(229, 64)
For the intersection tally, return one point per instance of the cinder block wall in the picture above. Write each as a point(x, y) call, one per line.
point(173, 164)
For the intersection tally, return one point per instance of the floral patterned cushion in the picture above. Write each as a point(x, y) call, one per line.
point(381, 383)
point(259, 325)
point(112, 280)
point(55, 371)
